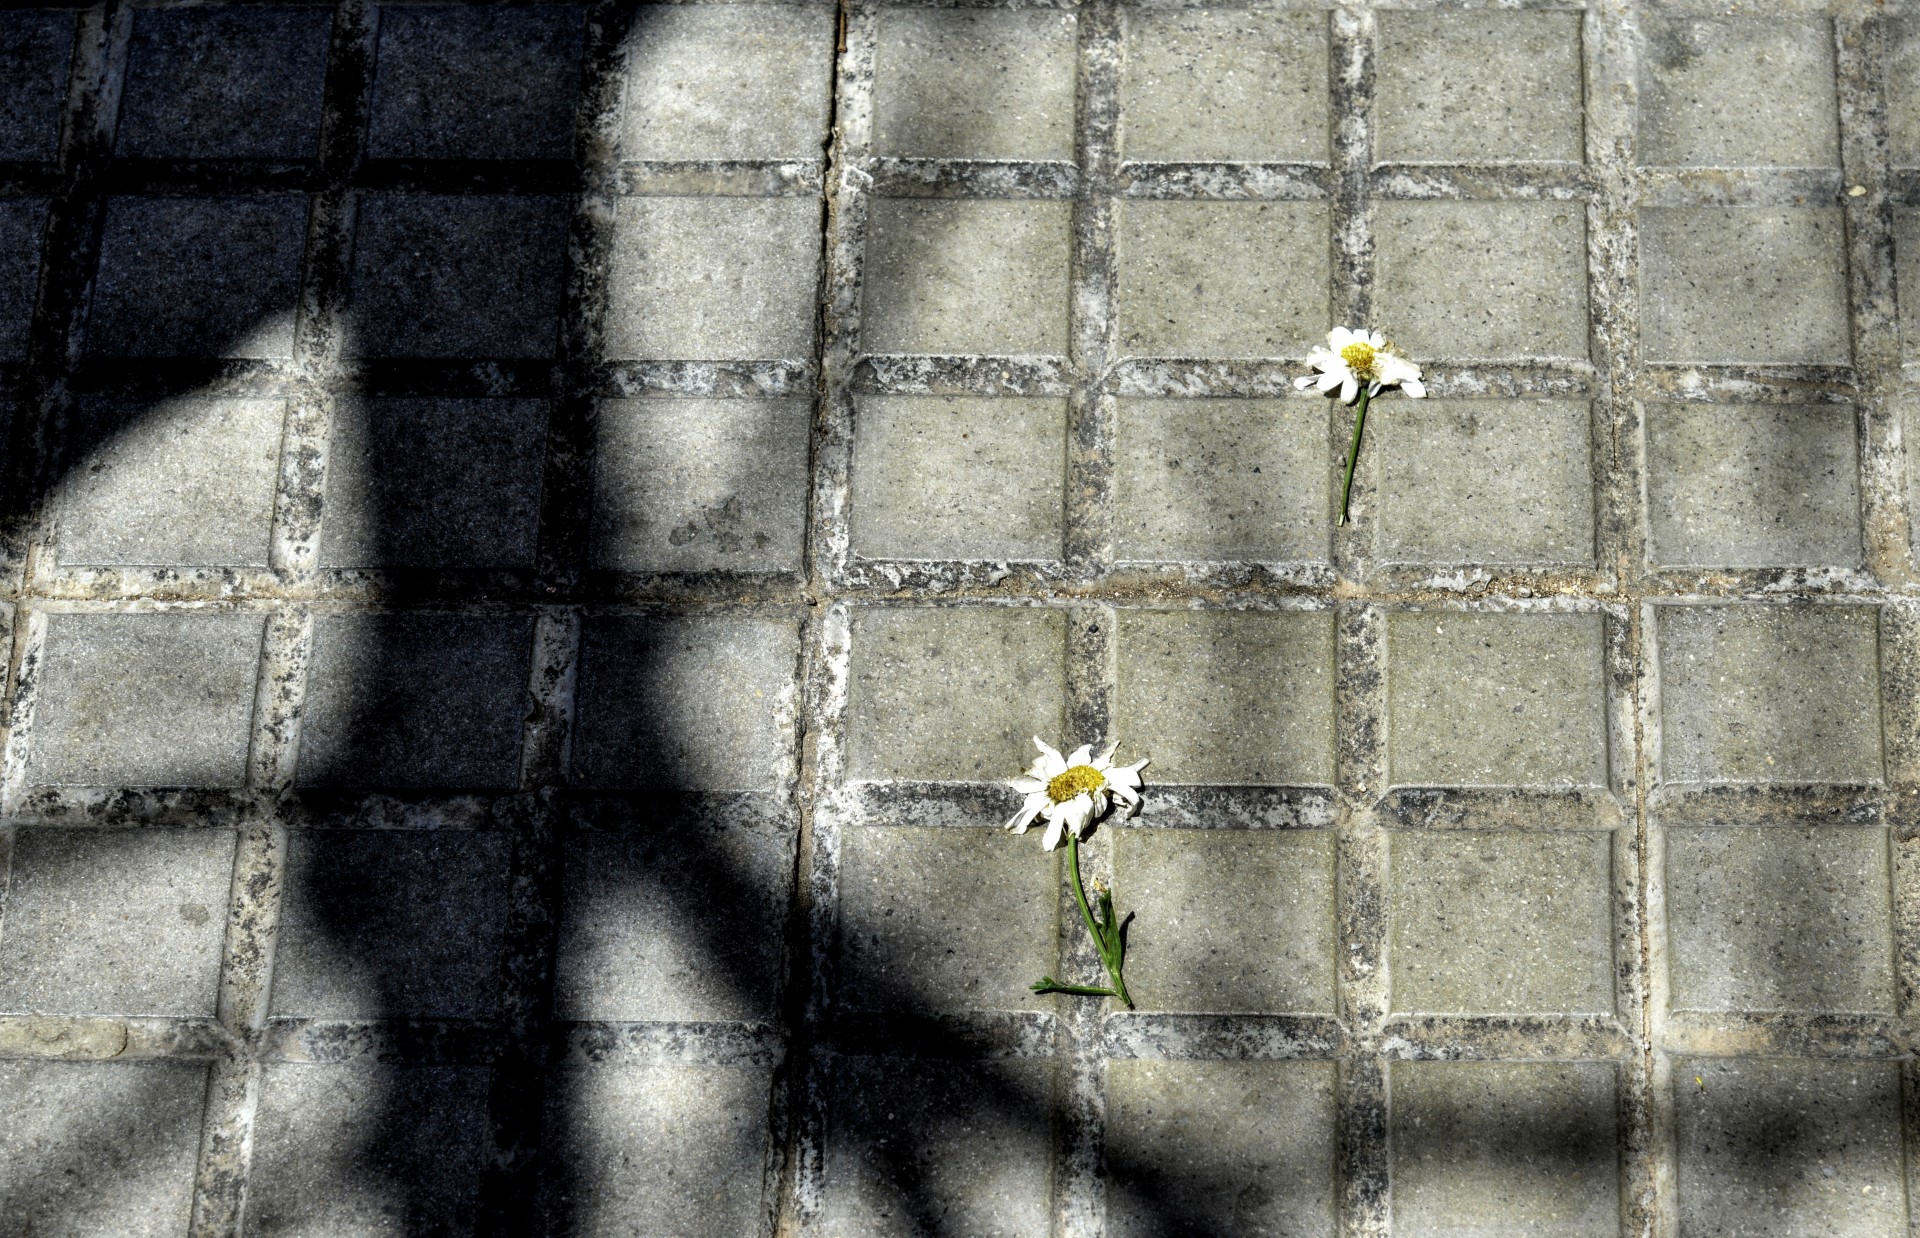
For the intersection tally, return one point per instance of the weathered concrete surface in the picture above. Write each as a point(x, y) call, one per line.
point(531, 536)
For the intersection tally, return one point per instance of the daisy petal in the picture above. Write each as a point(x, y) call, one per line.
point(1080, 755)
point(1055, 835)
point(1028, 786)
point(1331, 379)
point(1415, 388)
point(1304, 383)
point(1050, 762)
point(1349, 389)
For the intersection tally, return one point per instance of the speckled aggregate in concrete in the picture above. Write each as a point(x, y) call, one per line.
point(532, 534)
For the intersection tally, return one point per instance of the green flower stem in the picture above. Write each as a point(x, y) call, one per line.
point(1106, 938)
point(1353, 452)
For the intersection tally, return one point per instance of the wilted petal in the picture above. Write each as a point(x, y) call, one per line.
point(1080, 755)
point(1035, 805)
point(1414, 387)
point(1050, 763)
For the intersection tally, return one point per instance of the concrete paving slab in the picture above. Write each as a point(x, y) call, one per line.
point(966, 277)
point(1724, 92)
point(1237, 1147)
point(1493, 1147)
point(1501, 922)
point(160, 700)
point(1241, 85)
point(1753, 486)
point(460, 82)
point(948, 477)
point(671, 1149)
point(391, 923)
point(335, 1155)
point(1221, 279)
point(1242, 921)
point(1788, 1147)
point(36, 52)
point(729, 82)
point(690, 703)
point(686, 485)
point(189, 482)
point(1485, 481)
point(22, 224)
point(434, 484)
point(224, 84)
point(93, 1150)
point(115, 922)
point(1479, 87)
point(928, 70)
point(1228, 698)
point(634, 947)
point(1769, 694)
point(1221, 480)
point(1764, 285)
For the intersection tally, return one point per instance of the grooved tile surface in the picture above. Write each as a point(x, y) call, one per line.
point(535, 535)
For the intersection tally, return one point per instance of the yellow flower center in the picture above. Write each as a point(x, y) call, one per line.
point(1076, 781)
point(1359, 359)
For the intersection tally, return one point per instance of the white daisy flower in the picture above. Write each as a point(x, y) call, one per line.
point(1353, 359)
point(1072, 792)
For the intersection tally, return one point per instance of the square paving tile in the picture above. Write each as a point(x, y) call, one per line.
point(1229, 921)
point(907, 895)
point(1499, 1148)
point(22, 222)
point(36, 48)
point(194, 276)
point(1490, 482)
point(680, 923)
point(1731, 284)
point(1482, 279)
point(692, 703)
point(1785, 1148)
point(1903, 90)
point(367, 1148)
point(660, 1149)
point(151, 700)
point(966, 1142)
point(959, 477)
point(224, 83)
point(1730, 92)
point(1769, 694)
point(181, 481)
point(476, 82)
point(95, 1149)
point(1780, 918)
point(419, 700)
point(1244, 86)
point(1501, 922)
point(115, 922)
point(729, 82)
point(1220, 1148)
point(434, 483)
point(1222, 480)
point(1753, 485)
point(713, 279)
point(1221, 279)
point(1496, 700)
point(965, 277)
point(391, 924)
point(1229, 697)
point(928, 74)
point(1906, 256)
point(1479, 87)
point(954, 694)
point(684, 485)
point(475, 275)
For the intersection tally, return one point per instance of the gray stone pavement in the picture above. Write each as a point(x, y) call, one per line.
point(532, 536)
